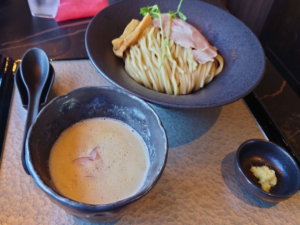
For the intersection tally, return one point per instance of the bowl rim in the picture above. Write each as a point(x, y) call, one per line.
point(251, 183)
point(92, 208)
point(157, 99)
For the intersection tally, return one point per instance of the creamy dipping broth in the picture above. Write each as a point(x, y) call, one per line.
point(99, 161)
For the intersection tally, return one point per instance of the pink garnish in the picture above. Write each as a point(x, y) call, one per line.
point(94, 155)
point(82, 161)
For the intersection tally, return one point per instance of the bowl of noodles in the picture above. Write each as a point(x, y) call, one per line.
point(173, 76)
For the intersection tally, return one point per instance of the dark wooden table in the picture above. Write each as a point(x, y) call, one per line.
point(19, 31)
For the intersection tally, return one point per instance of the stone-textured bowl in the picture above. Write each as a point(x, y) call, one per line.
point(259, 153)
point(90, 102)
point(241, 50)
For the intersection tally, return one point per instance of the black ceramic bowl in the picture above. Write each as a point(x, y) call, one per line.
point(241, 50)
point(90, 102)
point(259, 153)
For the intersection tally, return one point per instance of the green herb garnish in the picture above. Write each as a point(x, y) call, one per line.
point(154, 11)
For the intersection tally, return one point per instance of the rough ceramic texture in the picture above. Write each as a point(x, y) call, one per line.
point(86, 103)
point(242, 52)
point(257, 152)
point(198, 185)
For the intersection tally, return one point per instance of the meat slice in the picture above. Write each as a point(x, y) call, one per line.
point(82, 161)
point(187, 36)
point(94, 155)
point(204, 56)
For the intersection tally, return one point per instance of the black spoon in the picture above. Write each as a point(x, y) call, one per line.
point(23, 91)
point(34, 72)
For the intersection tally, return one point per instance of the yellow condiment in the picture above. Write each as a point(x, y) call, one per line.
point(130, 35)
point(266, 176)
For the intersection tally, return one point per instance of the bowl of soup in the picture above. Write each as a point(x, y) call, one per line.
point(95, 150)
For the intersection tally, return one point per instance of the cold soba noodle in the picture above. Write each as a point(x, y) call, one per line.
point(99, 161)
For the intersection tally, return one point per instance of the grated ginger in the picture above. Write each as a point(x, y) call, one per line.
point(266, 176)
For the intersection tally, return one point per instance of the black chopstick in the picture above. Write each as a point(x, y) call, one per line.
point(6, 90)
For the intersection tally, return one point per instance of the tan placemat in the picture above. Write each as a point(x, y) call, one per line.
point(198, 185)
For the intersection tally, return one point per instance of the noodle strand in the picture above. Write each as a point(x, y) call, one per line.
point(179, 72)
